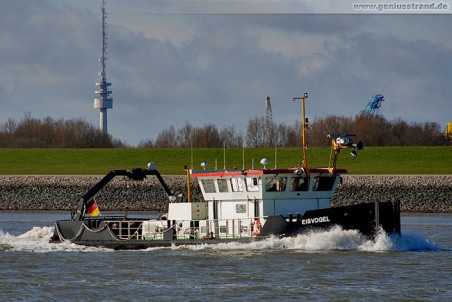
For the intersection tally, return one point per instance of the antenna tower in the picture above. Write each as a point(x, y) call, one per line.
point(103, 101)
point(269, 121)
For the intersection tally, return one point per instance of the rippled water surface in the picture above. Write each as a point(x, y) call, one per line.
point(336, 265)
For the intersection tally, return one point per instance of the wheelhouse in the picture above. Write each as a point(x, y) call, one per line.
point(266, 192)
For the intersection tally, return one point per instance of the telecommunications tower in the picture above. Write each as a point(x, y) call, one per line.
point(269, 121)
point(103, 101)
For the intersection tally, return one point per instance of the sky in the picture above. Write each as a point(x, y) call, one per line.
point(214, 62)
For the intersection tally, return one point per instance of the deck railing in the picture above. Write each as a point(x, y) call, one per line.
point(185, 229)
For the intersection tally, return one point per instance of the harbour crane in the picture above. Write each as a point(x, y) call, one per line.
point(374, 105)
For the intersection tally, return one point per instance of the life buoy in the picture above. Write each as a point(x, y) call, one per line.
point(257, 227)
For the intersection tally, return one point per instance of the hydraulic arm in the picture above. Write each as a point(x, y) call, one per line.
point(134, 174)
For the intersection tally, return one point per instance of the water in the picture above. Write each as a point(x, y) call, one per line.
point(328, 266)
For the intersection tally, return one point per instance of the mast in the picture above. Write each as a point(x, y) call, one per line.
point(304, 127)
point(103, 101)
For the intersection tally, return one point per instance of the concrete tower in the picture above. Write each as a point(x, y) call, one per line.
point(103, 101)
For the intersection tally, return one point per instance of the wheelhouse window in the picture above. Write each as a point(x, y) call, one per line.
point(252, 184)
point(275, 184)
point(299, 183)
point(237, 184)
point(324, 183)
point(222, 185)
point(208, 185)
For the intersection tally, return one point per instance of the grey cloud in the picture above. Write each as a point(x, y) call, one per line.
point(220, 75)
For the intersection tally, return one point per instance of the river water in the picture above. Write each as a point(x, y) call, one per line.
point(336, 265)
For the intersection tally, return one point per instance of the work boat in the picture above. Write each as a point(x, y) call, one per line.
point(237, 206)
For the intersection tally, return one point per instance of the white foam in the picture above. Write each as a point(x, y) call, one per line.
point(37, 234)
point(37, 240)
point(334, 239)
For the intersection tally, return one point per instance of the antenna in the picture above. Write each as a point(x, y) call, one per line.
point(191, 153)
point(243, 157)
point(103, 101)
point(224, 156)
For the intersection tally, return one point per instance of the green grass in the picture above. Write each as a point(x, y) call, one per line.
point(371, 160)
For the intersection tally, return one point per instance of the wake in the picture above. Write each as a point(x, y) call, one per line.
point(336, 239)
point(37, 240)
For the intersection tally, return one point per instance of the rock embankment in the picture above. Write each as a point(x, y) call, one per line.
point(63, 192)
point(416, 193)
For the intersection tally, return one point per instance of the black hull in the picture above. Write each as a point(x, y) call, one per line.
point(369, 219)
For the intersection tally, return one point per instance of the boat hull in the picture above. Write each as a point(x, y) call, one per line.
point(368, 218)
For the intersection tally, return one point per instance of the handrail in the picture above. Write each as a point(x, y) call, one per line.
point(185, 229)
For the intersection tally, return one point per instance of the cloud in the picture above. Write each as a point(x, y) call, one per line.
point(408, 72)
point(219, 68)
point(44, 54)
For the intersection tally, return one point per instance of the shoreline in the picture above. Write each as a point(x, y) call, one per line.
point(417, 193)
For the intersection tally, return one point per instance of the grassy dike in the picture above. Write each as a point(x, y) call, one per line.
point(53, 179)
point(371, 160)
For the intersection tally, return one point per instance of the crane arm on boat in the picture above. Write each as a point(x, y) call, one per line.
point(134, 174)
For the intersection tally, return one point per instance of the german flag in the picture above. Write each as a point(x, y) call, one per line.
point(92, 208)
